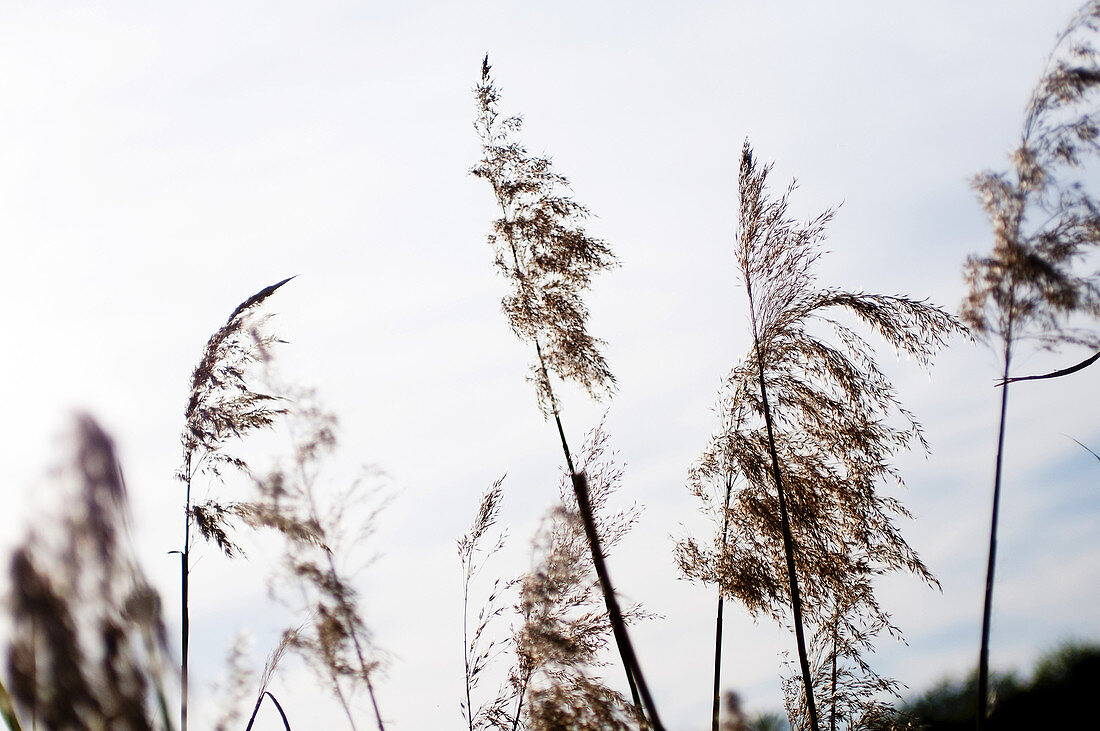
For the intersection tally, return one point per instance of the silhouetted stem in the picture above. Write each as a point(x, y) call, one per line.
point(358, 648)
point(466, 648)
point(343, 700)
point(519, 699)
point(256, 709)
point(185, 628)
point(622, 641)
point(580, 487)
point(987, 609)
point(717, 700)
point(618, 626)
point(788, 544)
point(832, 714)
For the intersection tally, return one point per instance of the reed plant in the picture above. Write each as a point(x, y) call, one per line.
point(1046, 224)
point(565, 624)
point(324, 528)
point(89, 647)
point(223, 405)
point(475, 549)
point(808, 431)
point(543, 250)
point(272, 662)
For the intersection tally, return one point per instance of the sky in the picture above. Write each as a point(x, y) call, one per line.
point(162, 162)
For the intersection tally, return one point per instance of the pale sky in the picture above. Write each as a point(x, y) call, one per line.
point(159, 163)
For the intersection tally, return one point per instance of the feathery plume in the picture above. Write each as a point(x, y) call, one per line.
point(807, 432)
point(543, 250)
point(1045, 226)
point(90, 646)
point(222, 405)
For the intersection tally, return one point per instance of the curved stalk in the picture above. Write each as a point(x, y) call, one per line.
point(278, 707)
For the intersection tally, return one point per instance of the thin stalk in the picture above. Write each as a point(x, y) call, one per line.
point(358, 648)
point(348, 619)
point(466, 647)
point(343, 700)
point(638, 690)
point(34, 673)
point(256, 709)
point(185, 628)
point(618, 627)
point(7, 708)
point(832, 713)
point(987, 609)
point(788, 539)
point(519, 699)
point(580, 488)
point(717, 701)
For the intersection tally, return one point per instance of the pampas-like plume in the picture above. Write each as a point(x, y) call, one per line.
point(853, 697)
point(478, 650)
point(549, 259)
point(565, 627)
point(806, 430)
point(322, 540)
point(1045, 225)
point(544, 252)
point(222, 405)
point(90, 645)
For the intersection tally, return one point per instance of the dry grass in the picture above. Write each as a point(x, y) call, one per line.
point(324, 527)
point(1046, 225)
point(808, 431)
point(90, 648)
point(548, 258)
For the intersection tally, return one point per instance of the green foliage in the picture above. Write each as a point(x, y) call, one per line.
point(1057, 695)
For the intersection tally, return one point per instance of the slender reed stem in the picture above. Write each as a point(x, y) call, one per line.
point(185, 628)
point(343, 700)
point(717, 700)
point(618, 627)
point(987, 609)
point(34, 673)
point(832, 688)
point(519, 699)
point(466, 650)
point(358, 647)
point(580, 488)
point(788, 542)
